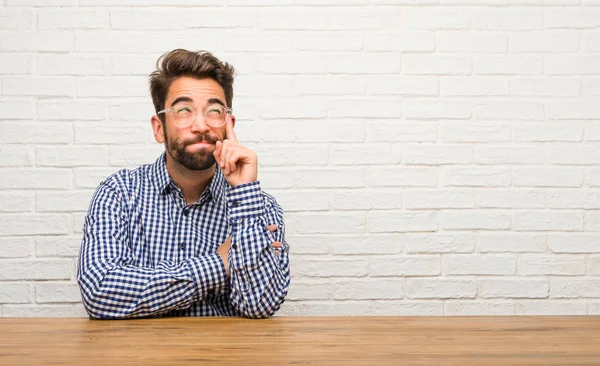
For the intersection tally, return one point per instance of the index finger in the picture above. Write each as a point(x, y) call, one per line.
point(229, 130)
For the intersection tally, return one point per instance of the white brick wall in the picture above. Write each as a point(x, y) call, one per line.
point(434, 157)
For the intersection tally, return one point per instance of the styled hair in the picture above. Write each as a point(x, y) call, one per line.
point(199, 65)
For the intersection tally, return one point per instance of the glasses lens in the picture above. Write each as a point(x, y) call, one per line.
point(183, 114)
point(215, 115)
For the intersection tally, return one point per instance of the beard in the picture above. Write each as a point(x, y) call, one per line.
point(198, 160)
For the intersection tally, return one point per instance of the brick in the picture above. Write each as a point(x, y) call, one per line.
point(57, 246)
point(312, 290)
point(547, 177)
point(407, 308)
point(15, 247)
point(511, 242)
point(75, 18)
point(40, 2)
point(593, 265)
point(430, 154)
point(16, 201)
point(509, 110)
point(436, 109)
point(260, 42)
point(330, 42)
point(478, 308)
point(551, 265)
point(574, 287)
point(55, 269)
point(15, 293)
point(574, 154)
point(586, 64)
point(473, 86)
point(303, 200)
point(401, 221)
point(553, 131)
point(421, 288)
point(15, 156)
point(548, 220)
point(370, 289)
point(551, 307)
point(474, 133)
point(17, 19)
point(64, 110)
point(50, 311)
point(330, 268)
point(582, 18)
point(18, 178)
point(401, 85)
point(543, 41)
point(264, 86)
point(510, 198)
point(16, 63)
point(545, 87)
point(324, 19)
point(114, 86)
point(34, 224)
point(91, 177)
point(436, 65)
point(592, 220)
point(57, 292)
point(102, 41)
point(474, 220)
point(130, 110)
point(297, 65)
point(276, 108)
point(402, 177)
point(133, 157)
point(574, 243)
point(508, 65)
point(367, 199)
point(71, 156)
point(581, 109)
point(331, 222)
point(594, 177)
point(502, 19)
point(513, 288)
point(329, 178)
point(590, 87)
point(63, 201)
point(405, 266)
point(364, 154)
point(380, 63)
point(29, 41)
point(439, 198)
point(434, 19)
point(573, 198)
point(439, 243)
point(403, 42)
point(366, 108)
point(383, 131)
point(307, 244)
point(366, 244)
point(110, 134)
point(33, 133)
point(469, 41)
point(133, 64)
point(590, 41)
point(322, 308)
point(72, 65)
point(40, 86)
point(545, 2)
point(78, 221)
point(325, 85)
point(593, 307)
point(474, 176)
point(509, 154)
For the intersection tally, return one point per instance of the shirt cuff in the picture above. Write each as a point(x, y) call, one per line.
point(245, 202)
point(209, 275)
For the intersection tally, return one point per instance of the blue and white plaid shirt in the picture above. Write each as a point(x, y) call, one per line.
point(146, 253)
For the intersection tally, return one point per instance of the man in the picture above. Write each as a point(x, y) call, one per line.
point(192, 234)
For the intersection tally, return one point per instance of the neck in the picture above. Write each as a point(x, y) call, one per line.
point(191, 182)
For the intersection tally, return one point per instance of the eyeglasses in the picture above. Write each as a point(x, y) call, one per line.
point(215, 115)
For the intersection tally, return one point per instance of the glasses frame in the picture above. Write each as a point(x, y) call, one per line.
point(228, 111)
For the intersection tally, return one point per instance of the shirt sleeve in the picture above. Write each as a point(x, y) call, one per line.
point(260, 274)
point(113, 286)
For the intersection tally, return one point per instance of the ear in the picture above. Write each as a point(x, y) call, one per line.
point(157, 128)
point(233, 121)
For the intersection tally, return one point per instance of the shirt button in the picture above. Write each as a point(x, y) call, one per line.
point(234, 246)
point(186, 212)
point(235, 203)
point(182, 245)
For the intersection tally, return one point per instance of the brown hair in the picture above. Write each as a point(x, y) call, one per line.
point(199, 65)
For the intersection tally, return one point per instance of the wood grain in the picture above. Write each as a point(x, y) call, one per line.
point(539, 340)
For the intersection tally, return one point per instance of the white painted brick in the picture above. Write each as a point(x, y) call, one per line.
point(572, 18)
point(325, 85)
point(475, 132)
point(302, 200)
point(307, 244)
point(128, 110)
point(312, 290)
point(547, 177)
point(574, 243)
point(329, 268)
point(330, 222)
point(16, 63)
point(277, 108)
point(71, 156)
point(421, 288)
point(474, 176)
point(71, 201)
point(330, 42)
point(133, 64)
point(430, 154)
point(27, 41)
point(369, 289)
point(594, 180)
point(380, 63)
point(15, 247)
point(328, 178)
point(436, 65)
point(513, 288)
point(18, 178)
point(545, 87)
point(544, 41)
point(353, 199)
point(590, 87)
point(55, 269)
point(414, 265)
point(510, 198)
point(40, 2)
point(264, 86)
point(570, 64)
point(57, 246)
point(590, 41)
point(38, 311)
point(131, 157)
point(366, 244)
point(30, 224)
point(16, 18)
point(526, 64)
point(573, 198)
point(574, 154)
point(509, 154)
point(366, 108)
point(57, 292)
point(402, 85)
point(259, 42)
point(583, 109)
point(439, 198)
point(539, 220)
point(592, 131)
point(574, 287)
point(545, 2)
point(72, 64)
point(474, 220)
point(401, 221)
point(34, 133)
point(559, 265)
point(436, 109)
point(103, 41)
point(40, 86)
point(473, 86)
point(593, 265)
point(402, 177)
point(593, 306)
point(151, 19)
point(469, 41)
point(110, 134)
point(16, 201)
point(509, 110)
point(364, 154)
point(407, 308)
point(114, 86)
point(77, 18)
point(432, 18)
point(439, 243)
point(553, 131)
point(384, 131)
point(592, 220)
point(71, 109)
point(15, 156)
point(506, 18)
point(14, 293)
point(91, 177)
point(323, 19)
point(478, 308)
point(551, 307)
point(511, 242)
point(78, 220)
point(301, 65)
point(404, 42)
point(322, 308)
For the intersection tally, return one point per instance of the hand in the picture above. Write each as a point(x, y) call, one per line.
point(238, 163)
point(223, 249)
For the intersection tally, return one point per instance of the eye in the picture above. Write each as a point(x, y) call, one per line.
point(216, 110)
point(182, 110)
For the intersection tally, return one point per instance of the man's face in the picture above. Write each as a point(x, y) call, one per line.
point(193, 146)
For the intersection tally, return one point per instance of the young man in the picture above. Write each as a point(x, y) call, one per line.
point(192, 234)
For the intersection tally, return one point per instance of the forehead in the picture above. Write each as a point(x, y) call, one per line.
point(199, 90)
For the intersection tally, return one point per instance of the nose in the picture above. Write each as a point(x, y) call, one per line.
point(199, 124)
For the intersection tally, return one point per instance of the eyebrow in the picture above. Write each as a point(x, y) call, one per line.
point(190, 100)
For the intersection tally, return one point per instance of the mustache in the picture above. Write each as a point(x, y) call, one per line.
point(201, 138)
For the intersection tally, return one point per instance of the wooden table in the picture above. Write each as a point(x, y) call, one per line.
point(541, 340)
